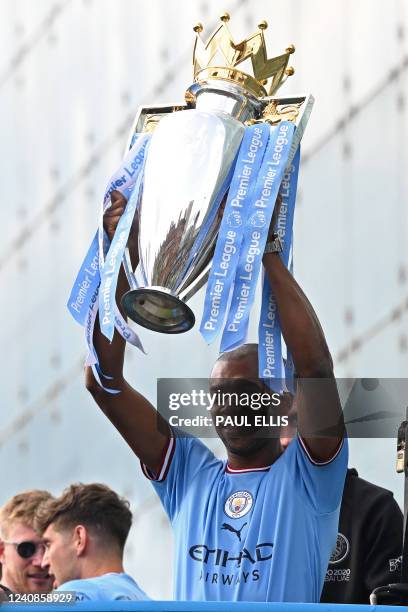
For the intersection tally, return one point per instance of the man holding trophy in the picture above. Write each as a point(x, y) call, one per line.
point(260, 526)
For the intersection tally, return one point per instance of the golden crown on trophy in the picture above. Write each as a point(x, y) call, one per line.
point(268, 74)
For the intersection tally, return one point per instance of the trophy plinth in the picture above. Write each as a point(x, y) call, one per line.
point(157, 309)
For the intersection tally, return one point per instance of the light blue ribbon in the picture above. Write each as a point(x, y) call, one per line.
point(256, 233)
point(110, 271)
point(231, 230)
point(269, 338)
point(83, 303)
point(86, 282)
point(271, 364)
point(284, 223)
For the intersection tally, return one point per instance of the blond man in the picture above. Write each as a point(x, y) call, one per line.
point(21, 548)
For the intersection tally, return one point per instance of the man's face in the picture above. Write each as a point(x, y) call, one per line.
point(240, 376)
point(60, 555)
point(24, 575)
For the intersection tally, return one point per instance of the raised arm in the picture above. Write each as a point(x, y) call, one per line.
point(129, 411)
point(317, 401)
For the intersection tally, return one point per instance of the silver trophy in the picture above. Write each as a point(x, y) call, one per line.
point(188, 168)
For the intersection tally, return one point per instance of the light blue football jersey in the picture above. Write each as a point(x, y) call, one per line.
point(250, 535)
point(103, 588)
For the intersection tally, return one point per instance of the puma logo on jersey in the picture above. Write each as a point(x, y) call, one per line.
point(236, 531)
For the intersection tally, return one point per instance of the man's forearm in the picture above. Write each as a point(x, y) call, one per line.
point(300, 326)
point(130, 412)
point(318, 406)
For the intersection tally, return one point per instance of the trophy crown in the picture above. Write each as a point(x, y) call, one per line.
point(268, 74)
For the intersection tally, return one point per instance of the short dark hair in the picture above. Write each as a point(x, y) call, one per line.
point(95, 506)
point(250, 349)
point(245, 350)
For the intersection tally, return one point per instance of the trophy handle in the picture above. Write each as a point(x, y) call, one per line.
point(127, 266)
point(200, 282)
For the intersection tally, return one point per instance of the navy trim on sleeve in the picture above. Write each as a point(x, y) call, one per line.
point(167, 457)
point(303, 445)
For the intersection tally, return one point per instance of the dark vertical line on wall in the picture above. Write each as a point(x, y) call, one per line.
point(401, 127)
point(347, 175)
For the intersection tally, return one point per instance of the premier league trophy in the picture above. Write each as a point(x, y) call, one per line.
point(204, 176)
point(190, 157)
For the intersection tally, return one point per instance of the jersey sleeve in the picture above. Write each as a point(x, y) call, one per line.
point(383, 535)
point(320, 483)
point(184, 458)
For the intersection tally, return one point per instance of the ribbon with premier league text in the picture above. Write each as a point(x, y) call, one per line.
point(86, 283)
point(83, 302)
point(258, 174)
point(110, 270)
point(269, 331)
point(259, 217)
point(231, 232)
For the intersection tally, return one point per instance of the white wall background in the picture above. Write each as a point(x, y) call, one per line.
point(72, 74)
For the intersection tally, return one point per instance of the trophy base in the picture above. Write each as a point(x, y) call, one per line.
point(158, 309)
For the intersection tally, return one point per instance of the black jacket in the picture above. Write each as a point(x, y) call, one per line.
point(369, 543)
point(4, 593)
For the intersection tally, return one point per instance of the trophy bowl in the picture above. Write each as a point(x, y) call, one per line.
point(187, 173)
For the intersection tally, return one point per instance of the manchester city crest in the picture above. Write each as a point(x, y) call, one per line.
point(238, 504)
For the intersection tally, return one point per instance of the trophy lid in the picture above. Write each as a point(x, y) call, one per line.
point(268, 74)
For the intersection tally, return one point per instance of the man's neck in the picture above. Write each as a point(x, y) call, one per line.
point(265, 457)
point(92, 568)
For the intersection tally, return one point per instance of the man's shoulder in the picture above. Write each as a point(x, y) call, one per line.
point(364, 489)
point(84, 588)
point(90, 586)
point(111, 586)
point(365, 499)
point(192, 447)
point(299, 447)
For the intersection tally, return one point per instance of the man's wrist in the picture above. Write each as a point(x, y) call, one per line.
point(274, 245)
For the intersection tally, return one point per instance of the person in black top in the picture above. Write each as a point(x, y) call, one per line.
point(369, 542)
point(4, 593)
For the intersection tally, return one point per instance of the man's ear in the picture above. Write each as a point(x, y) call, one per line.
point(81, 539)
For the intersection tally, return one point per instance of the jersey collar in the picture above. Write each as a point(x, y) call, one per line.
point(230, 470)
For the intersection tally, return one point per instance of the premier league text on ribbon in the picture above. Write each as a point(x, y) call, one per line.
point(270, 350)
point(84, 300)
point(84, 286)
point(130, 169)
point(86, 282)
point(257, 227)
point(231, 231)
point(110, 271)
